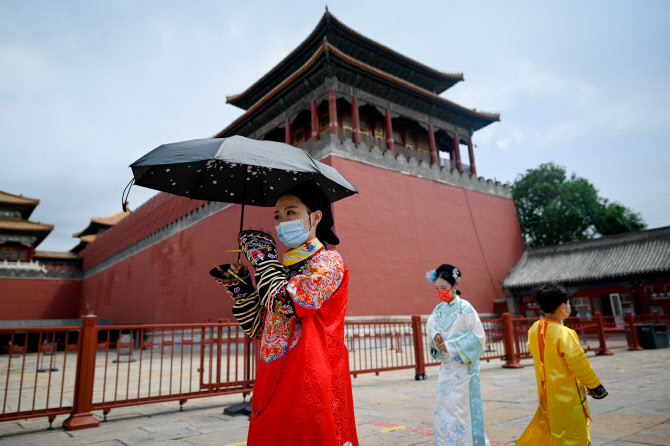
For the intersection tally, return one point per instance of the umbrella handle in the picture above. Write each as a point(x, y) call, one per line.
point(244, 196)
point(126, 192)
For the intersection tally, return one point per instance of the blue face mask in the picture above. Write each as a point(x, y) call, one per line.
point(293, 233)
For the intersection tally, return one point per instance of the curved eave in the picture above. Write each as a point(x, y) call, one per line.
point(23, 225)
point(484, 118)
point(274, 91)
point(328, 22)
point(488, 117)
point(19, 203)
point(442, 79)
point(6, 197)
point(26, 228)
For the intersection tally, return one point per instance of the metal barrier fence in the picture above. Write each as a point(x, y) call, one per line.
point(380, 346)
point(40, 367)
point(145, 364)
point(48, 371)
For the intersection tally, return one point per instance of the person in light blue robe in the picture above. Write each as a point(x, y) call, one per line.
point(457, 339)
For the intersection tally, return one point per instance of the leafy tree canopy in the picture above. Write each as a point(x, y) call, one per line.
point(554, 209)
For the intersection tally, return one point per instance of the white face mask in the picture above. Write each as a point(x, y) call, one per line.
point(293, 233)
point(569, 312)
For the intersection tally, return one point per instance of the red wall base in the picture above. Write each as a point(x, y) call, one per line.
point(39, 299)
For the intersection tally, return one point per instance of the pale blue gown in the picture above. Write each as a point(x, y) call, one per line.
point(459, 417)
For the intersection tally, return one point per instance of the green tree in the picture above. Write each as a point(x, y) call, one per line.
point(554, 209)
point(616, 219)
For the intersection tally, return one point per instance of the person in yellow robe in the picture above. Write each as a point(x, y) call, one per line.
point(562, 371)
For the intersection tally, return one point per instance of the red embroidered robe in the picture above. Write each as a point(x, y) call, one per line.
point(302, 392)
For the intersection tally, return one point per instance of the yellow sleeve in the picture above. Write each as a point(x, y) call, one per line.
point(576, 359)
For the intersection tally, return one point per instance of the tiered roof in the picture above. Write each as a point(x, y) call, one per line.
point(357, 46)
point(335, 50)
point(14, 224)
point(24, 205)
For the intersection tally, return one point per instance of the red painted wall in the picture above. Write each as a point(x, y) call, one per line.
point(400, 226)
point(169, 282)
point(39, 299)
point(396, 229)
point(153, 215)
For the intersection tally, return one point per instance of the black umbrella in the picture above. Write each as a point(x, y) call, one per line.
point(234, 170)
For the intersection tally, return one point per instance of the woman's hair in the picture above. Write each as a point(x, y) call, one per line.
point(449, 273)
point(550, 297)
point(311, 196)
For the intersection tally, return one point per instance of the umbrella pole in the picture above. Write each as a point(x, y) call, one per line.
point(244, 196)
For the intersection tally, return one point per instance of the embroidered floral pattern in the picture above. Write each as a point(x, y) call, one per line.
point(320, 278)
point(449, 434)
point(280, 334)
point(257, 246)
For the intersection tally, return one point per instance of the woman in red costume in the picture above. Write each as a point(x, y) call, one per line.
point(302, 392)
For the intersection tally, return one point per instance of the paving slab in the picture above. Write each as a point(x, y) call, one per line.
point(619, 424)
point(393, 409)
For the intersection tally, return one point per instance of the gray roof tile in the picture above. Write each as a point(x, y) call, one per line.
point(618, 256)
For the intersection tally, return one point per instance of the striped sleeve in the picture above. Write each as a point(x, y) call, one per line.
point(270, 282)
point(248, 312)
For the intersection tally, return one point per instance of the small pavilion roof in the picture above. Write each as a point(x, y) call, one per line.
point(356, 45)
point(619, 256)
point(112, 219)
point(336, 55)
point(98, 223)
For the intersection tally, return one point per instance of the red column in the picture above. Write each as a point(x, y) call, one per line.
point(418, 336)
point(457, 154)
point(288, 136)
point(431, 144)
point(508, 338)
point(81, 417)
point(315, 122)
point(389, 131)
point(471, 153)
point(355, 121)
point(601, 335)
point(633, 343)
point(31, 252)
point(332, 112)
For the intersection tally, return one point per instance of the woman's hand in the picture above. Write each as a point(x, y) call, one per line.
point(439, 343)
point(236, 268)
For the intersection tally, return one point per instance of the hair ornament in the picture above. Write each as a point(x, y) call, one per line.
point(456, 274)
point(431, 276)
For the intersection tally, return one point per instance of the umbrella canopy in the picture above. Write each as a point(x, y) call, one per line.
point(235, 170)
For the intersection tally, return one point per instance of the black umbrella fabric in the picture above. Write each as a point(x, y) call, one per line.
point(235, 170)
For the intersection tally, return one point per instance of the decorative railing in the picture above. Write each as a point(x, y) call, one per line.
point(51, 371)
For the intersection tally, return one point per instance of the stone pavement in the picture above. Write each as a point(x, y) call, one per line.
point(393, 409)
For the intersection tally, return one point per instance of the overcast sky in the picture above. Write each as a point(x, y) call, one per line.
point(87, 87)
